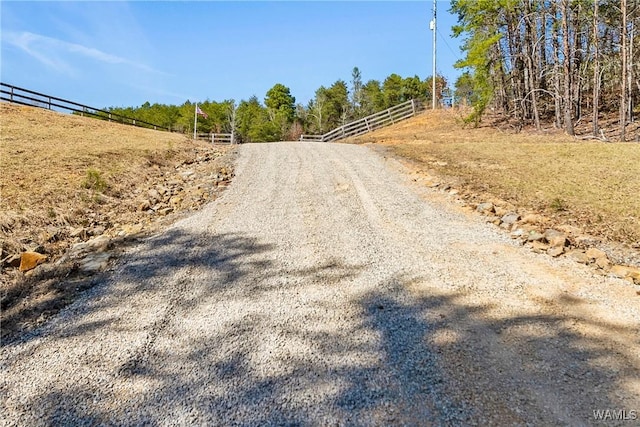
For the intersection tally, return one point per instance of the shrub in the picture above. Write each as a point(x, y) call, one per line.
point(94, 181)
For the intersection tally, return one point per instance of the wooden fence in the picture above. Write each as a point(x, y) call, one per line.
point(217, 138)
point(18, 95)
point(367, 124)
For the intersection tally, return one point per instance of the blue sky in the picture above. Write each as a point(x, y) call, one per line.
point(126, 53)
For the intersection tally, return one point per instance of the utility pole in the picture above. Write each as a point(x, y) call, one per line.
point(432, 25)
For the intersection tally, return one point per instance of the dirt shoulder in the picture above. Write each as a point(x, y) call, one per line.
point(88, 190)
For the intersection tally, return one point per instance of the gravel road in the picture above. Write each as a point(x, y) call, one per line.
point(325, 288)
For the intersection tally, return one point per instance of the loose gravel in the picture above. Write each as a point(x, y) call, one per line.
point(324, 288)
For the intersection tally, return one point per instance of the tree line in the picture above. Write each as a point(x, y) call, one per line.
point(278, 117)
point(563, 61)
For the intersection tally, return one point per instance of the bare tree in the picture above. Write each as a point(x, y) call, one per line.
point(317, 110)
point(596, 69)
point(567, 69)
point(231, 115)
point(623, 55)
point(630, 69)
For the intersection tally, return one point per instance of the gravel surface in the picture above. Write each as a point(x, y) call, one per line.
point(324, 288)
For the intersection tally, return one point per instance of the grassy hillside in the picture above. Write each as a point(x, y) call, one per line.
point(68, 179)
point(589, 184)
point(46, 157)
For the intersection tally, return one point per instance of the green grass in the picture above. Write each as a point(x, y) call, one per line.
point(94, 181)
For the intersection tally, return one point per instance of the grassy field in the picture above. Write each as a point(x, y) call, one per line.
point(48, 158)
point(594, 185)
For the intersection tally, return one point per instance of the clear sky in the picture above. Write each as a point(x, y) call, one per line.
point(126, 53)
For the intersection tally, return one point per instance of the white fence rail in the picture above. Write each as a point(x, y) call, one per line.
point(312, 138)
point(222, 138)
point(367, 124)
point(217, 138)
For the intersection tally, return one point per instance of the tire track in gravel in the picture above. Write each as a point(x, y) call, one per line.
point(324, 289)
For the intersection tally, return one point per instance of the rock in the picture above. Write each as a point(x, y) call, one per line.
point(132, 228)
point(154, 196)
point(78, 232)
point(97, 231)
point(485, 208)
point(603, 263)
point(161, 190)
point(539, 247)
point(555, 251)
point(555, 238)
point(532, 219)
point(99, 244)
point(165, 211)
point(510, 218)
point(95, 262)
point(517, 233)
point(175, 201)
point(535, 236)
point(144, 206)
point(30, 260)
point(579, 255)
point(493, 219)
point(626, 272)
point(594, 253)
point(499, 210)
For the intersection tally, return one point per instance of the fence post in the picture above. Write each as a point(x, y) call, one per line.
point(49, 104)
point(390, 116)
point(413, 106)
point(11, 93)
point(366, 122)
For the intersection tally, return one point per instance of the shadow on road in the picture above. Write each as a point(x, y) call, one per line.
point(405, 358)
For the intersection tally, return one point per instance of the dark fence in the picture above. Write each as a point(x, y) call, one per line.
point(19, 95)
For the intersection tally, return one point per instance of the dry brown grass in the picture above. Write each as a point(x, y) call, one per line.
point(64, 179)
point(591, 184)
point(45, 156)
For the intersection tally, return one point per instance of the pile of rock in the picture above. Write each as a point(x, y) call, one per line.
point(532, 231)
point(87, 241)
point(186, 188)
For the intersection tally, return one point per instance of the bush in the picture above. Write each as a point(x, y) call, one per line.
point(94, 181)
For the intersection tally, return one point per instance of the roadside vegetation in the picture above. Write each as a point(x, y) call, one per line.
point(278, 117)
